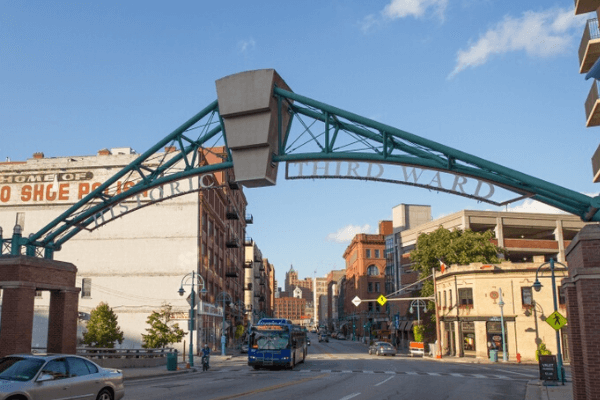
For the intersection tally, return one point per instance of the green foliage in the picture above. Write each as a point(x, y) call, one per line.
point(161, 333)
point(452, 247)
point(542, 351)
point(239, 331)
point(102, 328)
point(419, 332)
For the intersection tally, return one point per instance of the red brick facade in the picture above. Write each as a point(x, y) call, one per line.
point(20, 277)
point(582, 289)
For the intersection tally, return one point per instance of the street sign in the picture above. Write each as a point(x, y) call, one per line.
point(556, 320)
point(397, 321)
point(356, 301)
point(197, 299)
point(381, 300)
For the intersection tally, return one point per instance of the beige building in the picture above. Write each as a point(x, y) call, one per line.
point(470, 313)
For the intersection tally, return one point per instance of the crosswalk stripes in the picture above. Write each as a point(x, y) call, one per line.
point(410, 373)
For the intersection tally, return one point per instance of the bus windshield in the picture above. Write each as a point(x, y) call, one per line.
point(271, 340)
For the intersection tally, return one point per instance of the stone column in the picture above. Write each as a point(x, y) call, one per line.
point(17, 318)
point(559, 237)
point(62, 321)
point(583, 305)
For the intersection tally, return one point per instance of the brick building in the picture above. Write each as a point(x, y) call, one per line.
point(365, 278)
point(292, 308)
point(138, 260)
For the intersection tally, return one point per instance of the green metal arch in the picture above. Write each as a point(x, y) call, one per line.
point(318, 132)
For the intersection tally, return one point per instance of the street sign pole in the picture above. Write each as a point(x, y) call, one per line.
point(558, 350)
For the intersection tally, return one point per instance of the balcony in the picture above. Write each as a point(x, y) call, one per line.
point(596, 165)
point(248, 264)
point(248, 241)
point(232, 273)
point(589, 48)
point(592, 112)
point(231, 213)
point(232, 242)
point(248, 286)
point(249, 219)
point(261, 267)
point(585, 6)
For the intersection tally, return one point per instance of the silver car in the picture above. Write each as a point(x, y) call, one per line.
point(57, 376)
point(382, 349)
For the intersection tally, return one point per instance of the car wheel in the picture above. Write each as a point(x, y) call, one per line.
point(104, 394)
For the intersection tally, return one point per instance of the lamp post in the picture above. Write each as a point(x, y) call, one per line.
point(223, 296)
point(418, 303)
point(538, 286)
point(501, 304)
point(196, 280)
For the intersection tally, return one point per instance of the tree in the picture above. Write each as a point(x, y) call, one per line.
point(102, 328)
point(161, 332)
point(451, 247)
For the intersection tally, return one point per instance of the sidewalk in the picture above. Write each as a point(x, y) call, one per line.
point(152, 372)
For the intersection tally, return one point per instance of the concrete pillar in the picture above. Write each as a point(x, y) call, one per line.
point(17, 319)
point(583, 304)
point(62, 321)
point(559, 237)
point(499, 230)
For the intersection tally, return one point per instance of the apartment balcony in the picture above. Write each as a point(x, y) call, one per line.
point(231, 213)
point(232, 273)
point(248, 286)
point(232, 242)
point(596, 165)
point(585, 6)
point(592, 111)
point(261, 267)
point(589, 48)
point(248, 241)
point(249, 219)
point(248, 264)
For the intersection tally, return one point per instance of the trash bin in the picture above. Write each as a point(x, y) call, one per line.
point(494, 355)
point(172, 361)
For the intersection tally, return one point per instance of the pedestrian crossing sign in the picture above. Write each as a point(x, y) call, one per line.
point(556, 320)
point(381, 300)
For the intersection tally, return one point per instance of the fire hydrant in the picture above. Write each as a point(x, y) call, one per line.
point(519, 358)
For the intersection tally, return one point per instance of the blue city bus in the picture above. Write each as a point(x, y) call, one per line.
point(276, 342)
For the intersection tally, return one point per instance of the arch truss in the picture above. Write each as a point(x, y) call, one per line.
point(250, 133)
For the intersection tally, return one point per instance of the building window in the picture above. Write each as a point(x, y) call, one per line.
point(562, 299)
point(377, 287)
point(377, 254)
point(526, 296)
point(444, 299)
point(465, 297)
point(86, 288)
point(450, 299)
point(370, 287)
point(38, 294)
point(373, 270)
point(368, 252)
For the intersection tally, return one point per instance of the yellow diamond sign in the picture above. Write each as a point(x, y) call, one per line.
point(381, 300)
point(556, 320)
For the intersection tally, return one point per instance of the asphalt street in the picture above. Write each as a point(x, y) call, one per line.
point(342, 370)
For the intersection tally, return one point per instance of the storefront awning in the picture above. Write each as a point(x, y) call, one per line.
point(409, 325)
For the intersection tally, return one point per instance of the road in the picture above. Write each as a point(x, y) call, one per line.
point(343, 370)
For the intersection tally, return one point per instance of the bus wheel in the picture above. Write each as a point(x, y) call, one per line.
point(256, 367)
point(293, 362)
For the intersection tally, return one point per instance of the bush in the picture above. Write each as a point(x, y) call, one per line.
point(419, 332)
point(542, 351)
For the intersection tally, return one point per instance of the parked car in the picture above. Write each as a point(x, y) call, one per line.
point(333, 335)
point(340, 336)
point(50, 376)
point(244, 347)
point(382, 349)
point(323, 338)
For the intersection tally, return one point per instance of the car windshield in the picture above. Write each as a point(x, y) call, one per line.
point(384, 344)
point(272, 340)
point(19, 368)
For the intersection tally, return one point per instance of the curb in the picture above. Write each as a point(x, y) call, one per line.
point(158, 373)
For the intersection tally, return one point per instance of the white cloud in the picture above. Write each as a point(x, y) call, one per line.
point(414, 8)
point(539, 34)
point(347, 233)
point(397, 9)
point(533, 206)
point(246, 45)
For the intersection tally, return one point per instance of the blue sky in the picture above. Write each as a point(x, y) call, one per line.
point(498, 79)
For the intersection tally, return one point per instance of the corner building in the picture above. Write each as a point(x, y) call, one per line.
point(137, 262)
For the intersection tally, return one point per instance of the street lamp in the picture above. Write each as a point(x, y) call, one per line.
point(537, 286)
point(223, 296)
point(196, 280)
point(418, 303)
point(501, 304)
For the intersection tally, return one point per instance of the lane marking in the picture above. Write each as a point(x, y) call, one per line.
point(270, 388)
point(516, 373)
point(382, 382)
point(350, 396)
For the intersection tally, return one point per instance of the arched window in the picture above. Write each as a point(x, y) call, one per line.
point(373, 270)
